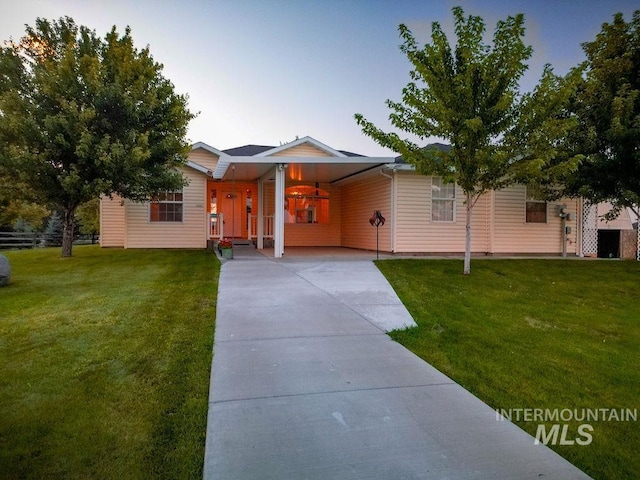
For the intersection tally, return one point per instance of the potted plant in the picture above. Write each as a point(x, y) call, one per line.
point(225, 247)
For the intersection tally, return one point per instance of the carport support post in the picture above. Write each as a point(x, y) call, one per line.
point(260, 220)
point(278, 227)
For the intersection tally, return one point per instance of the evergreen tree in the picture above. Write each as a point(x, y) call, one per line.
point(53, 233)
point(21, 225)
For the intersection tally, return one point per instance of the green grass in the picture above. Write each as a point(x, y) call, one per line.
point(535, 334)
point(104, 363)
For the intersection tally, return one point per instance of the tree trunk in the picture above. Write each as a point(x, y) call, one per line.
point(68, 231)
point(467, 244)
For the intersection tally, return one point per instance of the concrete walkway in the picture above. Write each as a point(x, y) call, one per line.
point(306, 385)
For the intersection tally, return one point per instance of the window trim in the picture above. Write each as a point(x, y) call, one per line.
point(454, 201)
point(159, 201)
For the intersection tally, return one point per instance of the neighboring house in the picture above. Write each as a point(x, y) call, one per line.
point(305, 193)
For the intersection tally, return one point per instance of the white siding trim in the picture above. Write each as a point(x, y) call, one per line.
point(208, 148)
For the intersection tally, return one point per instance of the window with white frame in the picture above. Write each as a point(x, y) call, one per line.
point(535, 209)
point(166, 207)
point(443, 200)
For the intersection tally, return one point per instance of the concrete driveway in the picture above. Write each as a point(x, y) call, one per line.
point(306, 385)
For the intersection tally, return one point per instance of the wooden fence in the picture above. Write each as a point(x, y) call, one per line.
point(17, 240)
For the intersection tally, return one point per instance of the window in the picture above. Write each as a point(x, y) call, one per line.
point(443, 200)
point(536, 209)
point(166, 207)
point(306, 204)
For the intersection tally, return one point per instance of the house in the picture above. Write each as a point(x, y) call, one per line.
point(306, 193)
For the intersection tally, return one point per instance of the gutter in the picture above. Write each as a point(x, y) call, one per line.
point(199, 168)
point(353, 175)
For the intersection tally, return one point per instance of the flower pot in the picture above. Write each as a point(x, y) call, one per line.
point(227, 253)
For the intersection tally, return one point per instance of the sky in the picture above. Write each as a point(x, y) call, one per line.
point(268, 71)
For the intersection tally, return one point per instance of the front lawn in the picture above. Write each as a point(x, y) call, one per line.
point(104, 363)
point(546, 334)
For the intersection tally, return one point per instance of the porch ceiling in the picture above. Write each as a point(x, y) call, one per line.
point(313, 169)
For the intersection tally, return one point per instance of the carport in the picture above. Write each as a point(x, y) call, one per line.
point(275, 166)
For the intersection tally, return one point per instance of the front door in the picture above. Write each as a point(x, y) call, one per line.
point(231, 207)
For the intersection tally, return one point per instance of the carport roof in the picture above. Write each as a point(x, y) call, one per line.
point(251, 150)
point(251, 162)
point(316, 169)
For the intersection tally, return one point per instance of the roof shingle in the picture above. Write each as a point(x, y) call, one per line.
point(247, 150)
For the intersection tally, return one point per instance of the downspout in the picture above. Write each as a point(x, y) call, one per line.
point(392, 204)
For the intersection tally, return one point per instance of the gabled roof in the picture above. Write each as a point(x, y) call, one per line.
point(250, 162)
point(252, 150)
point(208, 148)
point(312, 141)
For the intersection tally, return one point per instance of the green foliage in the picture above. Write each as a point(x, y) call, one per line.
point(105, 361)
point(534, 334)
point(469, 96)
point(85, 116)
point(17, 202)
point(607, 105)
point(14, 211)
point(88, 217)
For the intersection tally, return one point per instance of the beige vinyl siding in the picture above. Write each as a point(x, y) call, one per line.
point(190, 233)
point(513, 235)
point(304, 150)
point(269, 193)
point(360, 200)
point(112, 227)
point(204, 158)
point(417, 233)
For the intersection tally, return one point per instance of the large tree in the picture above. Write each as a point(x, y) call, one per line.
point(607, 104)
point(469, 96)
point(83, 116)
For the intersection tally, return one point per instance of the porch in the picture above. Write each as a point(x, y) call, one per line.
point(297, 203)
point(216, 230)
